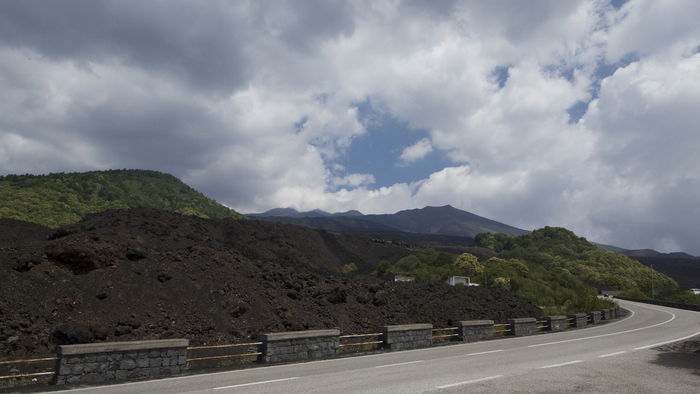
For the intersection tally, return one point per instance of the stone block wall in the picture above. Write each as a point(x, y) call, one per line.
point(556, 323)
point(523, 326)
point(605, 314)
point(299, 345)
point(579, 320)
point(595, 317)
point(475, 330)
point(115, 361)
point(407, 336)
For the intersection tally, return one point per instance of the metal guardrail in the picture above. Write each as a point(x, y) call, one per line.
point(365, 343)
point(253, 348)
point(27, 361)
point(223, 356)
point(443, 336)
point(503, 330)
point(676, 305)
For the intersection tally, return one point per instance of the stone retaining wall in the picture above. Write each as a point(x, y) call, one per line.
point(523, 326)
point(475, 330)
point(115, 361)
point(299, 345)
point(407, 336)
point(118, 361)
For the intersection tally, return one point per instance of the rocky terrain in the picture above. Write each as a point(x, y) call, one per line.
point(148, 274)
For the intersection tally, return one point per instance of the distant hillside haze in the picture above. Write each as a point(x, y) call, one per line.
point(445, 220)
point(64, 198)
point(293, 213)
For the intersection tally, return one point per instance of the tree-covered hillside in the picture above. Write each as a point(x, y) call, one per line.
point(552, 267)
point(556, 291)
point(557, 251)
point(58, 199)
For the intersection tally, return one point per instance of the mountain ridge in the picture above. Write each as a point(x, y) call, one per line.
point(443, 220)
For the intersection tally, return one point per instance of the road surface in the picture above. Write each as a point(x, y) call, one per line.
point(615, 357)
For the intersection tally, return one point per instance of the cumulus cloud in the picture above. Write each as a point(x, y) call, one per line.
point(416, 151)
point(257, 104)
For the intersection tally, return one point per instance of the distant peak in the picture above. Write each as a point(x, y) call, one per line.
point(443, 207)
point(280, 212)
point(352, 212)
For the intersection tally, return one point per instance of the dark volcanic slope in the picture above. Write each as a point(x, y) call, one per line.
point(140, 274)
point(445, 220)
point(684, 271)
point(428, 223)
point(16, 232)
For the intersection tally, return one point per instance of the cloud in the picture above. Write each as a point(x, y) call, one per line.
point(645, 121)
point(257, 104)
point(354, 180)
point(648, 28)
point(416, 151)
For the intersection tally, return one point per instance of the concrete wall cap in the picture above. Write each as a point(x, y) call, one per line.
point(465, 323)
point(523, 320)
point(407, 327)
point(106, 347)
point(579, 315)
point(558, 317)
point(283, 336)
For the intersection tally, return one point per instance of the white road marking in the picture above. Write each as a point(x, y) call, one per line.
point(255, 383)
point(478, 353)
point(397, 364)
point(673, 317)
point(612, 354)
point(561, 364)
point(469, 382)
point(665, 342)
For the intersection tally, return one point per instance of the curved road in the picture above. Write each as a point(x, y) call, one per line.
point(615, 357)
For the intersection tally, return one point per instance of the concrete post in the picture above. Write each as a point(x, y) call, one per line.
point(92, 363)
point(523, 326)
point(579, 320)
point(407, 336)
point(556, 323)
point(475, 330)
point(299, 345)
point(595, 317)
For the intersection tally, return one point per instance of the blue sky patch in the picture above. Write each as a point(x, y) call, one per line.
point(377, 152)
point(501, 74)
point(603, 70)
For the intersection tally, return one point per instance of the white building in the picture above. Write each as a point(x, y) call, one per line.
point(695, 291)
point(460, 280)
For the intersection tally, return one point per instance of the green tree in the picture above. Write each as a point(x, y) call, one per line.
point(469, 265)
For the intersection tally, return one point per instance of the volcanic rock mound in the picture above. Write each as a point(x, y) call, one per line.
point(148, 274)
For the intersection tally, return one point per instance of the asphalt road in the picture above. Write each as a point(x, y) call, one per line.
point(615, 357)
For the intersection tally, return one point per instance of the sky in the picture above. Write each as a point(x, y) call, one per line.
point(580, 114)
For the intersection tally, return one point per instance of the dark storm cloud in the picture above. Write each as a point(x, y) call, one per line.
point(190, 48)
point(307, 23)
point(207, 44)
point(200, 45)
point(169, 135)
